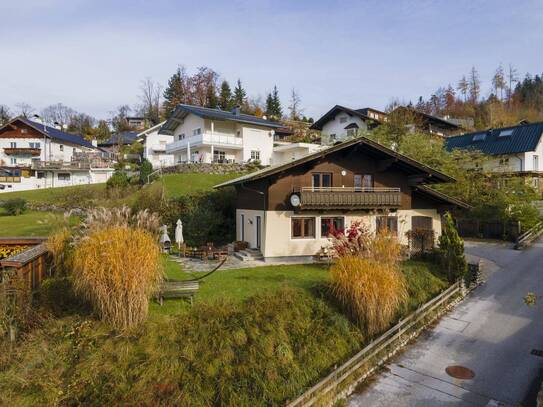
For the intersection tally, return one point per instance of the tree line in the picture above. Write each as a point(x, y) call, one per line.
point(508, 100)
point(203, 88)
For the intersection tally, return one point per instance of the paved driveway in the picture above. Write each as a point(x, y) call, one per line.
point(492, 332)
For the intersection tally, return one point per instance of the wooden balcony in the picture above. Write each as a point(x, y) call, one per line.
point(22, 151)
point(349, 198)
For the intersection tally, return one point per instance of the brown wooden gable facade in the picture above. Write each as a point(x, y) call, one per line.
point(273, 192)
point(19, 130)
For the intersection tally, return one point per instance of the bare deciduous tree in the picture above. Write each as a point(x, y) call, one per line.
point(512, 78)
point(474, 85)
point(24, 109)
point(150, 100)
point(58, 113)
point(294, 107)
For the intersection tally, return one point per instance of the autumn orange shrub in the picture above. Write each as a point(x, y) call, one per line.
point(117, 269)
point(369, 282)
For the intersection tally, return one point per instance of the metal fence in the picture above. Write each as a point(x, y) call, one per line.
point(488, 229)
point(338, 383)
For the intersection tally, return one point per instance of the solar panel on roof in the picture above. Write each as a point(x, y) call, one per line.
point(505, 133)
point(479, 137)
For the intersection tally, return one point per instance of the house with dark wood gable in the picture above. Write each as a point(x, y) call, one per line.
point(288, 210)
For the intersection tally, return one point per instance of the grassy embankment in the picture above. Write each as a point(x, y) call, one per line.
point(41, 223)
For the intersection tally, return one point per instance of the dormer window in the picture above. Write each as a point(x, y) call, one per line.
point(479, 137)
point(505, 133)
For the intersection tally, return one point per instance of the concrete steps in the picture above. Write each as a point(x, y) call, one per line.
point(249, 255)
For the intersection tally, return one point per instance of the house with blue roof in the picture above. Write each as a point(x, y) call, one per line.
point(514, 150)
point(34, 155)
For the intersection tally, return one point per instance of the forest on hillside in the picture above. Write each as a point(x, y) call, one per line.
point(509, 99)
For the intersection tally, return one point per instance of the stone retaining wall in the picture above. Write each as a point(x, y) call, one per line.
point(206, 168)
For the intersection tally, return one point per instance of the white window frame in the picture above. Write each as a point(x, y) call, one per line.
point(255, 155)
point(197, 132)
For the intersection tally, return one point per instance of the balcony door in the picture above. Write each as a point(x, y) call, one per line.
point(363, 182)
point(321, 180)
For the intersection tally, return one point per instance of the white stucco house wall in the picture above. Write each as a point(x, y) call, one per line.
point(341, 123)
point(154, 146)
point(34, 155)
point(212, 135)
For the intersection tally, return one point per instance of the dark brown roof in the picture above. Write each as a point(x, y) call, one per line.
point(334, 111)
point(430, 175)
point(440, 196)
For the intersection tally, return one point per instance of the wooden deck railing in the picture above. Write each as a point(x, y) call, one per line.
point(342, 198)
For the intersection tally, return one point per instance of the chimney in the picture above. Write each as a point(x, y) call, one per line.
point(235, 111)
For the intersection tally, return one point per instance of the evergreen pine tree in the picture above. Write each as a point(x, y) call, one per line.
point(240, 95)
point(211, 97)
point(277, 110)
point(174, 93)
point(269, 106)
point(225, 98)
point(451, 249)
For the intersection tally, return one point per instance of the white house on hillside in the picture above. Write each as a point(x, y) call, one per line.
point(341, 123)
point(516, 151)
point(212, 135)
point(154, 146)
point(34, 155)
point(204, 135)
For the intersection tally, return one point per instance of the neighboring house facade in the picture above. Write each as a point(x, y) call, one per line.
point(341, 123)
point(516, 150)
point(154, 146)
point(428, 123)
point(34, 155)
point(117, 141)
point(205, 135)
point(287, 210)
point(284, 152)
point(137, 123)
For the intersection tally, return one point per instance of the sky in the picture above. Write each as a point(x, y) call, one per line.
point(92, 55)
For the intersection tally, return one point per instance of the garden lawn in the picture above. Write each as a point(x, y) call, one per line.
point(52, 195)
point(423, 278)
point(30, 223)
point(97, 195)
point(181, 184)
point(255, 337)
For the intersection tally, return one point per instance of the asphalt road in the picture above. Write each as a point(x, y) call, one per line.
point(491, 332)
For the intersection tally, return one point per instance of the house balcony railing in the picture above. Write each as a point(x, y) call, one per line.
point(70, 165)
point(206, 139)
point(22, 151)
point(349, 198)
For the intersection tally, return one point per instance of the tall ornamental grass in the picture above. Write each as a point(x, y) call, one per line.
point(117, 269)
point(369, 284)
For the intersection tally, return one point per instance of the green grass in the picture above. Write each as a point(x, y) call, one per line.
point(30, 223)
point(423, 279)
point(52, 195)
point(96, 194)
point(255, 337)
point(180, 184)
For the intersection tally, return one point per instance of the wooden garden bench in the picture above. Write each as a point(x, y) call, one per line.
point(177, 289)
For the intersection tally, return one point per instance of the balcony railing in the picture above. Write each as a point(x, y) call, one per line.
point(349, 198)
point(70, 165)
point(22, 151)
point(216, 139)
